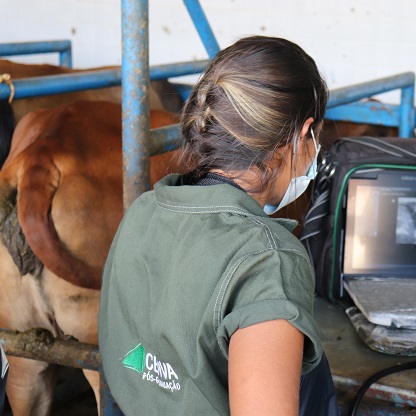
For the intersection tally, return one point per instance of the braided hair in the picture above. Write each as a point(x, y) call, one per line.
point(252, 99)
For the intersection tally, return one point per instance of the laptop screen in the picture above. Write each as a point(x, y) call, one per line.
point(380, 225)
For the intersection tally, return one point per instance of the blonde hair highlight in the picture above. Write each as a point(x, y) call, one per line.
point(253, 98)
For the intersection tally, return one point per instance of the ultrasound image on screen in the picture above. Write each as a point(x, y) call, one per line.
point(406, 221)
point(380, 226)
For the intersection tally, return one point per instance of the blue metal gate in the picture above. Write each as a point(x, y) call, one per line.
point(139, 142)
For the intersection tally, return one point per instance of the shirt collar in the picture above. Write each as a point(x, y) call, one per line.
point(170, 194)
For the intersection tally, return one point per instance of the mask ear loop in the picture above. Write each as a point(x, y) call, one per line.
point(314, 140)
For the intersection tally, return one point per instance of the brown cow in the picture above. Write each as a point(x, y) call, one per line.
point(60, 205)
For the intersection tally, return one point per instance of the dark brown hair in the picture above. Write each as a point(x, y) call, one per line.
point(253, 98)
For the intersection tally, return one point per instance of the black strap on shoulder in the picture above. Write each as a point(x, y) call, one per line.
point(215, 179)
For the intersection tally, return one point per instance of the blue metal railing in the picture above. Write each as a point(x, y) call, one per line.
point(135, 99)
point(402, 116)
point(203, 27)
point(341, 105)
point(139, 142)
point(135, 66)
point(135, 105)
point(63, 47)
point(57, 84)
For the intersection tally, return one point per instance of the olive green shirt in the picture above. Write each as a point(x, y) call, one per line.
point(188, 267)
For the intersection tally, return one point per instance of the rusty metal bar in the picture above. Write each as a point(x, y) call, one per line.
point(39, 344)
point(107, 404)
point(377, 391)
point(135, 99)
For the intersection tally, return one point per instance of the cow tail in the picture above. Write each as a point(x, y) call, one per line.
point(7, 126)
point(11, 233)
point(35, 197)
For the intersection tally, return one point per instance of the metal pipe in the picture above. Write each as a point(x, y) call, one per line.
point(164, 139)
point(64, 48)
point(183, 90)
point(203, 27)
point(407, 112)
point(105, 78)
point(405, 81)
point(387, 393)
point(158, 72)
point(57, 84)
point(65, 57)
point(108, 406)
point(39, 344)
point(367, 89)
point(371, 112)
point(135, 99)
point(389, 114)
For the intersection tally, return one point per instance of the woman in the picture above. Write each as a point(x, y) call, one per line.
point(206, 304)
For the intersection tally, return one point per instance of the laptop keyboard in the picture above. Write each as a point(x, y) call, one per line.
point(387, 302)
point(392, 295)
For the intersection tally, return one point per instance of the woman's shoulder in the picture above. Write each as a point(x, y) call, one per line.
point(278, 234)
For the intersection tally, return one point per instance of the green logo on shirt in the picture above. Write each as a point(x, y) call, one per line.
point(134, 359)
point(158, 372)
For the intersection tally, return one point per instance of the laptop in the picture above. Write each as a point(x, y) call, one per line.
point(378, 254)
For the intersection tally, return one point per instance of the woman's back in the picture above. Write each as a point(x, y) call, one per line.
point(207, 302)
point(185, 295)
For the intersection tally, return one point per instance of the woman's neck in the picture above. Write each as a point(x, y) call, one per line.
point(246, 180)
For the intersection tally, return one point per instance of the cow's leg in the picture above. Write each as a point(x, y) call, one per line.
point(76, 314)
point(30, 387)
point(22, 307)
point(93, 378)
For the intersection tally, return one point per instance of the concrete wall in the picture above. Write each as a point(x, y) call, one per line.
point(351, 40)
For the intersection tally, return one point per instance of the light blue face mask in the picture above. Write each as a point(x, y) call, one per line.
point(298, 185)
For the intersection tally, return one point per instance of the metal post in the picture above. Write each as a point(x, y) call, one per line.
point(65, 57)
point(108, 407)
point(407, 112)
point(135, 99)
point(202, 26)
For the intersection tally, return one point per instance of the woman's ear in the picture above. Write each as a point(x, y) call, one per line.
point(306, 127)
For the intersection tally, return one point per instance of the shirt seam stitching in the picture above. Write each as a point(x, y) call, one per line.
point(227, 280)
point(269, 234)
point(204, 210)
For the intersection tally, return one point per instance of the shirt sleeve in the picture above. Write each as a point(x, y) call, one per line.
point(266, 286)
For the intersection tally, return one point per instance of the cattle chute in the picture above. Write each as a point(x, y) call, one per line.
point(138, 140)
